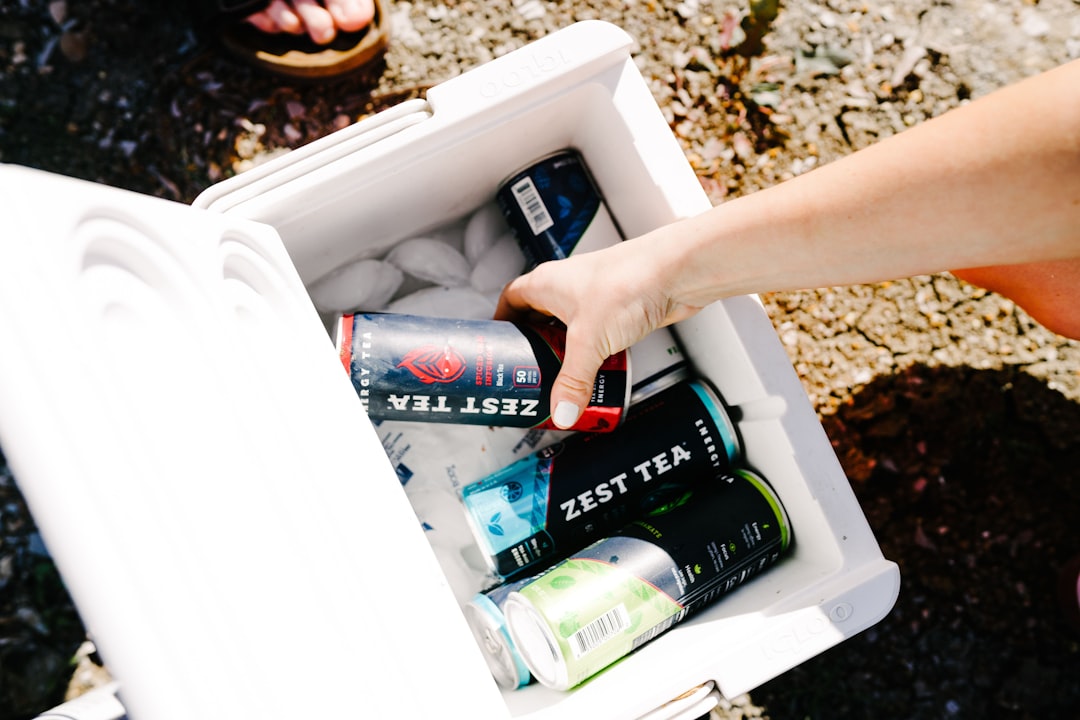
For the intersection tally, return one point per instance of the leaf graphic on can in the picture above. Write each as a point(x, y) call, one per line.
point(595, 568)
point(562, 582)
point(434, 364)
point(640, 590)
point(565, 205)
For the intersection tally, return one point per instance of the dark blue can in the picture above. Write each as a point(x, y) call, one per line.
point(555, 208)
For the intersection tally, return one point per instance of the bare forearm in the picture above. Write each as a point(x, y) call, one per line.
point(994, 182)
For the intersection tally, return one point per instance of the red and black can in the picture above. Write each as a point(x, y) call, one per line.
point(472, 372)
point(555, 208)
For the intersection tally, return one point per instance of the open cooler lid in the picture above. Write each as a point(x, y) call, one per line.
point(203, 473)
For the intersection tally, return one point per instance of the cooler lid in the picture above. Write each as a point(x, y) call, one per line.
point(202, 471)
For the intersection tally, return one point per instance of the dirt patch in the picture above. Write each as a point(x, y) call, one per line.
point(954, 414)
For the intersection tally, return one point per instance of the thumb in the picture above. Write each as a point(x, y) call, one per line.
point(573, 386)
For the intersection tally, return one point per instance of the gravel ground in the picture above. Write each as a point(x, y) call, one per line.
point(954, 414)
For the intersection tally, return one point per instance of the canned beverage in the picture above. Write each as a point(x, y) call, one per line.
point(658, 363)
point(554, 208)
point(571, 493)
point(473, 372)
point(485, 617)
point(611, 598)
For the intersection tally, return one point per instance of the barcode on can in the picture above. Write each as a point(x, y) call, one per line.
point(528, 199)
point(599, 631)
point(657, 630)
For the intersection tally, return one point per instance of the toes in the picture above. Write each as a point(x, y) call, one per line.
point(278, 17)
point(318, 21)
point(351, 15)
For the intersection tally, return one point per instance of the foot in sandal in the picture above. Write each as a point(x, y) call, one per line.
point(320, 20)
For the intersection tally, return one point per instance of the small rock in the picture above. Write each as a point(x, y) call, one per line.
point(824, 60)
point(1033, 24)
point(906, 64)
point(74, 46)
point(58, 10)
point(292, 134)
point(530, 9)
point(688, 9)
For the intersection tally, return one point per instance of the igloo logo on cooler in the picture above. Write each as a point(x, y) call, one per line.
point(530, 69)
point(432, 364)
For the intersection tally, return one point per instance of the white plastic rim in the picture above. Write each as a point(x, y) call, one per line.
point(689, 706)
point(699, 709)
point(100, 703)
point(535, 642)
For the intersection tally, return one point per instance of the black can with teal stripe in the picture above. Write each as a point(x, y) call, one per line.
point(541, 508)
point(609, 599)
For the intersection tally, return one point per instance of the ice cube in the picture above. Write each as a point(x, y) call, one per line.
point(484, 227)
point(446, 302)
point(410, 285)
point(432, 260)
point(453, 234)
point(503, 262)
point(359, 285)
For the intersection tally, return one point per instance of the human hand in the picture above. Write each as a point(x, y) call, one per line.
point(608, 300)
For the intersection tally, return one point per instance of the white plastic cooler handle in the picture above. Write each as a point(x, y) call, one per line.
point(307, 158)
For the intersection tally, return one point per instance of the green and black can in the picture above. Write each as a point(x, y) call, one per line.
point(611, 598)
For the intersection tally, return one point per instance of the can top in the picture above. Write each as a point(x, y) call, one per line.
point(718, 411)
point(769, 493)
point(568, 152)
point(536, 643)
point(487, 624)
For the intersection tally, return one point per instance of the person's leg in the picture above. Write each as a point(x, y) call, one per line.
point(1048, 291)
point(320, 20)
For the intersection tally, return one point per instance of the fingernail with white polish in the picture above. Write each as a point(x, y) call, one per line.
point(566, 414)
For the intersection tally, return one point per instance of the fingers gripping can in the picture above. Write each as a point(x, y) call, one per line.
point(611, 598)
point(473, 372)
point(555, 208)
point(528, 514)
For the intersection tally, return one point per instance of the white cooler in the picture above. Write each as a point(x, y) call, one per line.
point(218, 503)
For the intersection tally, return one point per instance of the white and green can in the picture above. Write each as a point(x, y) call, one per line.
point(606, 601)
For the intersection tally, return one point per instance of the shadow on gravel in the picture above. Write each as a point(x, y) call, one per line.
point(971, 482)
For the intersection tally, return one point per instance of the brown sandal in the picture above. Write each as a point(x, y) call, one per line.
point(293, 56)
